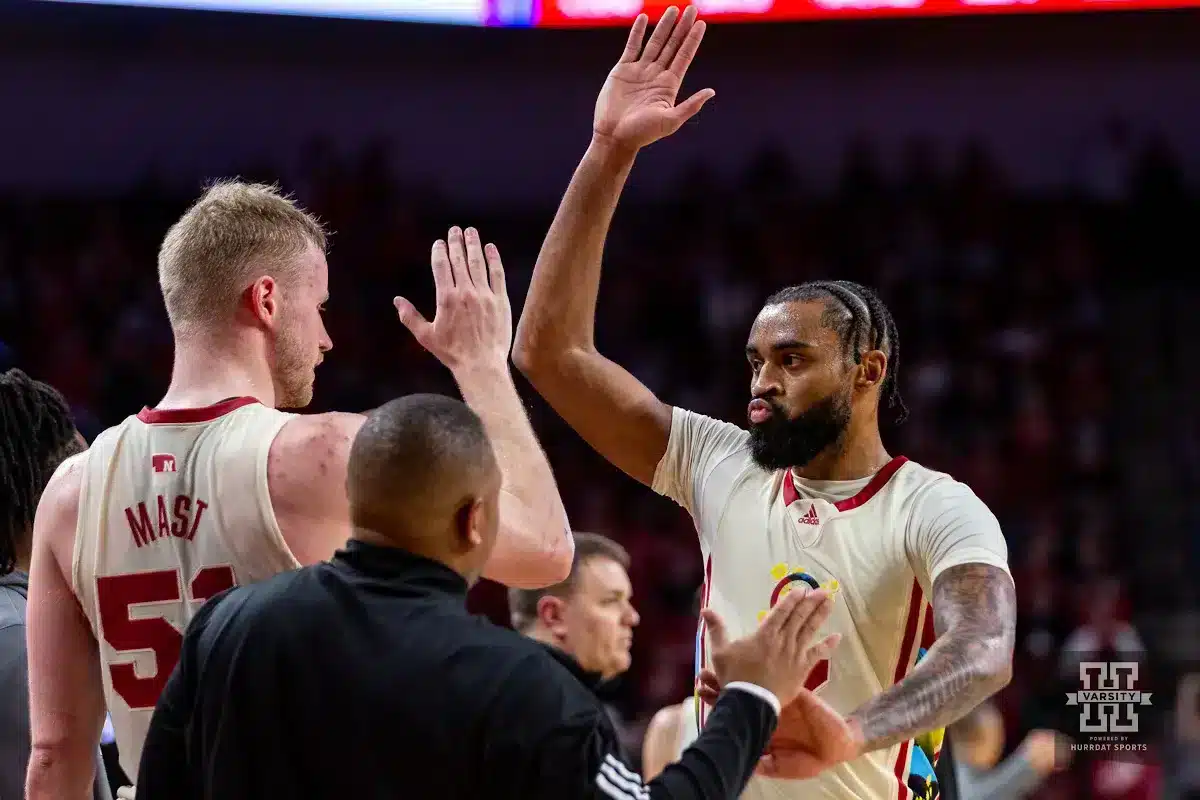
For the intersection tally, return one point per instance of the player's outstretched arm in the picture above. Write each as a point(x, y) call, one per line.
point(66, 693)
point(555, 345)
point(472, 334)
point(975, 615)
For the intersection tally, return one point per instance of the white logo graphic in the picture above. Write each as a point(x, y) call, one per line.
point(1108, 702)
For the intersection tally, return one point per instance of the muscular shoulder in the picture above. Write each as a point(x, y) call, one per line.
point(306, 473)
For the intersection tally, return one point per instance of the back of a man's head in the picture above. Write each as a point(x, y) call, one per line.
point(232, 235)
point(36, 435)
point(422, 474)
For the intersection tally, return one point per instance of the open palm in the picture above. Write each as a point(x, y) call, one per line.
point(637, 104)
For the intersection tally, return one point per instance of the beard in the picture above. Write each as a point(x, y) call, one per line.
point(783, 442)
point(293, 373)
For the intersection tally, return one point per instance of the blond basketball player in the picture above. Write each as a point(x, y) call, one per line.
point(215, 486)
point(807, 495)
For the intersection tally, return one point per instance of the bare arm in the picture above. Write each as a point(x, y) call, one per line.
point(66, 693)
point(975, 616)
point(661, 743)
point(555, 349)
point(308, 486)
point(535, 547)
point(555, 344)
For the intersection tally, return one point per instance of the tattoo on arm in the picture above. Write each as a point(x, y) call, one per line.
point(974, 607)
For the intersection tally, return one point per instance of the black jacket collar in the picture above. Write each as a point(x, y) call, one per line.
point(380, 561)
point(592, 680)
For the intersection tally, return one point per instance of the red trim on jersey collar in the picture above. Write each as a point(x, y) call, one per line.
point(877, 482)
point(187, 416)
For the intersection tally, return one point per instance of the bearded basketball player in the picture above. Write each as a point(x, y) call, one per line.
point(807, 495)
point(215, 486)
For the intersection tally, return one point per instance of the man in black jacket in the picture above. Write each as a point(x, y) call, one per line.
point(365, 676)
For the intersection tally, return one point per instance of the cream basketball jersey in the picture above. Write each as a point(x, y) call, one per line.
point(878, 543)
point(173, 509)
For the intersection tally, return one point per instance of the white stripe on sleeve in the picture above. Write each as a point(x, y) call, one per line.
point(619, 782)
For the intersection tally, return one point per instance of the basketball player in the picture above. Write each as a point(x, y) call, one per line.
point(807, 495)
point(216, 487)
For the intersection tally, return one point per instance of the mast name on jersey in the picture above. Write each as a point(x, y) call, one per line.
point(182, 524)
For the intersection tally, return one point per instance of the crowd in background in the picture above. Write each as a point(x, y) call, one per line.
point(1007, 306)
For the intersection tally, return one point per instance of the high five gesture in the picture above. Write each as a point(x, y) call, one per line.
point(555, 346)
point(637, 106)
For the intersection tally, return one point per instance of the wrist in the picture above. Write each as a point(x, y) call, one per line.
point(858, 736)
point(611, 152)
point(482, 374)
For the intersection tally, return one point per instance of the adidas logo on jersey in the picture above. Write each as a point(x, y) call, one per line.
point(811, 517)
point(163, 462)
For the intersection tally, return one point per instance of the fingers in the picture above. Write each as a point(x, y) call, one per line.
point(819, 652)
point(477, 266)
point(691, 107)
point(687, 50)
point(662, 31)
point(677, 35)
point(716, 628)
point(443, 275)
point(637, 35)
point(495, 269)
point(458, 257)
point(802, 624)
point(777, 619)
point(412, 319)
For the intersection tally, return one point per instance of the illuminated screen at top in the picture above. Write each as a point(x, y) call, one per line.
point(597, 13)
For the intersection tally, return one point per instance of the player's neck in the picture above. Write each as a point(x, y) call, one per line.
point(851, 458)
point(203, 375)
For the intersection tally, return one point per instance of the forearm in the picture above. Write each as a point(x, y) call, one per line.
point(958, 673)
point(560, 308)
point(535, 545)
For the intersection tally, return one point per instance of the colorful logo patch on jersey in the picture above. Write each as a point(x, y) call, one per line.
point(163, 462)
point(786, 577)
point(922, 779)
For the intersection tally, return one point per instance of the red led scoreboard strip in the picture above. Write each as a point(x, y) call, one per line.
point(598, 13)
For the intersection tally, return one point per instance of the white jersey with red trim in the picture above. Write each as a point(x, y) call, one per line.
point(879, 543)
point(173, 508)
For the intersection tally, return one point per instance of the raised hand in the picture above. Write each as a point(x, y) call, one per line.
point(637, 104)
point(472, 326)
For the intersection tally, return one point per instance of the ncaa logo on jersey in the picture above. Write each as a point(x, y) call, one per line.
point(163, 462)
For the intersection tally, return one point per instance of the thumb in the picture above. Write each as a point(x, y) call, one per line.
point(716, 628)
point(412, 319)
point(691, 107)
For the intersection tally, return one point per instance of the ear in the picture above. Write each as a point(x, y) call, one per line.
point(872, 367)
point(470, 522)
point(262, 300)
point(552, 613)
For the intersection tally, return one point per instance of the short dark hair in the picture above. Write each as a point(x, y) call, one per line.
point(412, 454)
point(523, 603)
point(36, 435)
point(862, 322)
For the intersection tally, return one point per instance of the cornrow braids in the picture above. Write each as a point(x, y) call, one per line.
point(36, 435)
point(862, 322)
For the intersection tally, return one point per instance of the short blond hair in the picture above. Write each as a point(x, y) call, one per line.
point(232, 234)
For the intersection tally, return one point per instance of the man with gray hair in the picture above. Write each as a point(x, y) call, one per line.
point(217, 487)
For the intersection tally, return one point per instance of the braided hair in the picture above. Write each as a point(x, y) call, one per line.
point(36, 435)
point(862, 323)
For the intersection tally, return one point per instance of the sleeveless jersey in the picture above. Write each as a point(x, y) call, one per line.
point(878, 544)
point(174, 508)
